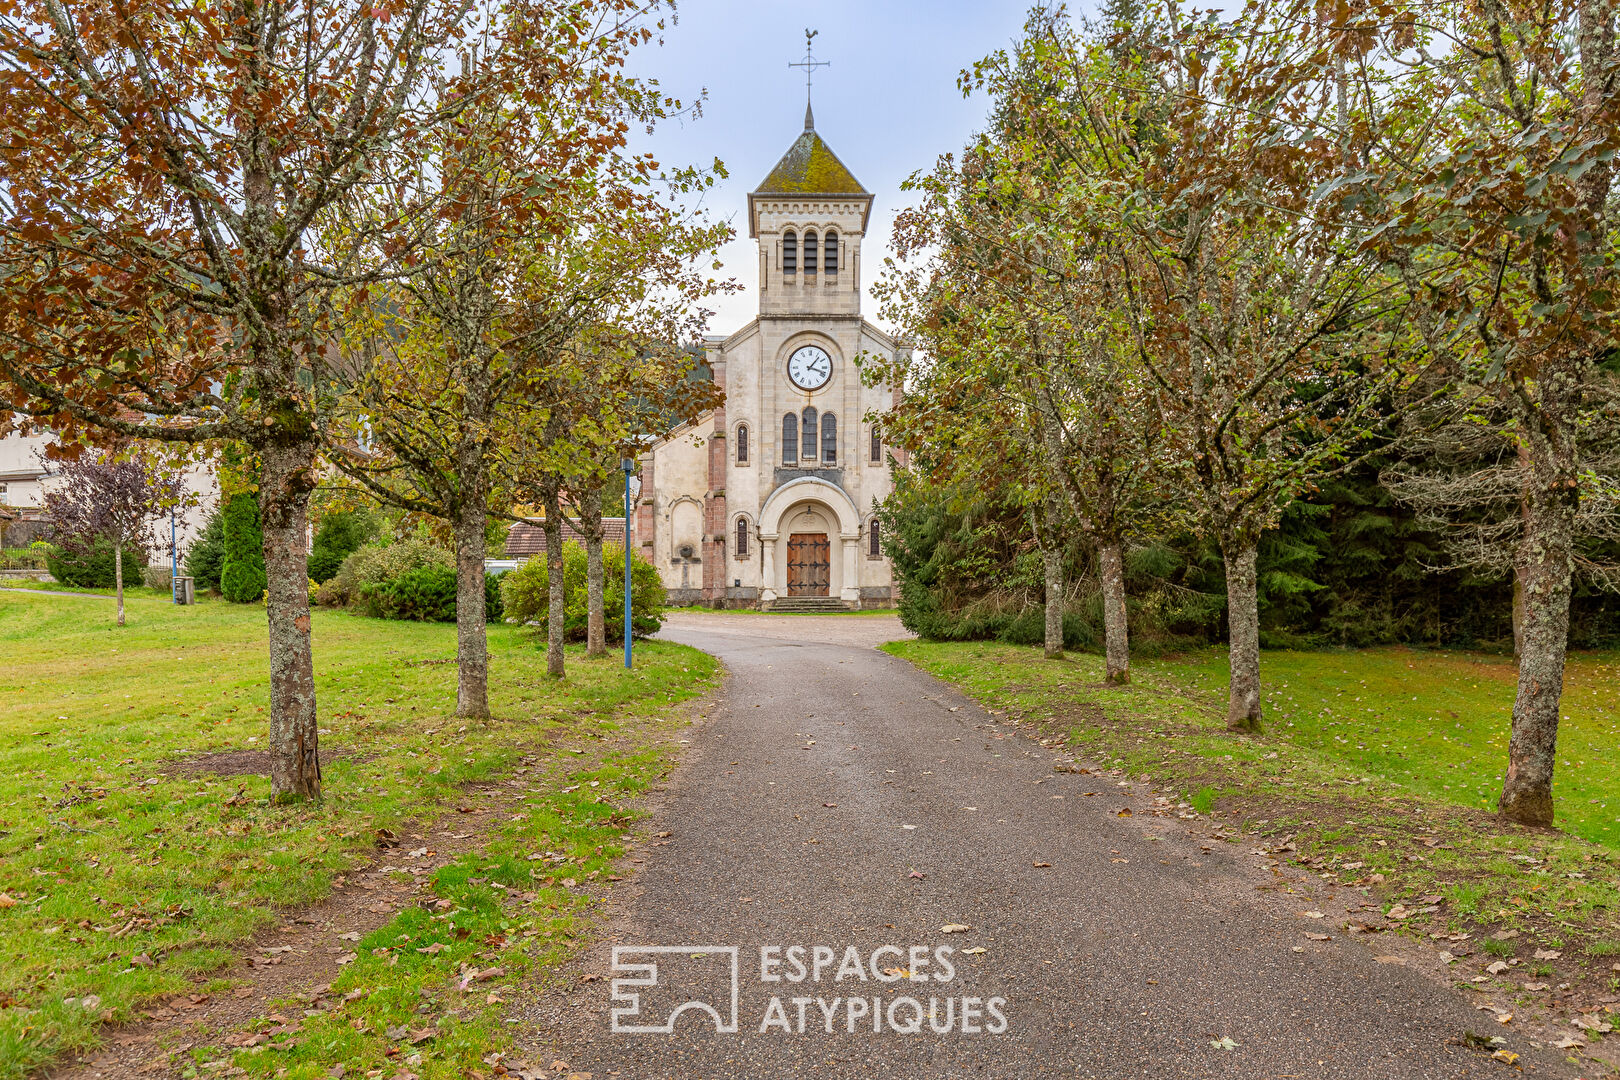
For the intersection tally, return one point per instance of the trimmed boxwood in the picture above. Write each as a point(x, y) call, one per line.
point(425, 594)
point(93, 568)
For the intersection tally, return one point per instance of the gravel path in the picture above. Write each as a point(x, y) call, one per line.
point(838, 797)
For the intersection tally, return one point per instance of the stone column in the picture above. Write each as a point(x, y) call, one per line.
point(850, 593)
point(767, 567)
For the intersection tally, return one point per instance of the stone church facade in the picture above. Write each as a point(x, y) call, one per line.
point(768, 501)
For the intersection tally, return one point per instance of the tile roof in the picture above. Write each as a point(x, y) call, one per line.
point(524, 540)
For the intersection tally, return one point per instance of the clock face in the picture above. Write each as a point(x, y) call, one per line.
point(809, 367)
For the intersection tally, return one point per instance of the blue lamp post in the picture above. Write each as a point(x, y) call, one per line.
point(629, 467)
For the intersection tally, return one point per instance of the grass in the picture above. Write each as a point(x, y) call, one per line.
point(1375, 792)
point(1438, 722)
point(124, 879)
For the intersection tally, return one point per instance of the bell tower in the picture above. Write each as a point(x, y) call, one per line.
point(809, 216)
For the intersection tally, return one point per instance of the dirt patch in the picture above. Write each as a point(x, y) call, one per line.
point(244, 762)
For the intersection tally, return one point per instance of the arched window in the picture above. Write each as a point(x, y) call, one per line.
point(790, 252)
point(790, 439)
point(873, 539)
point(808, 444)
point(810, 251)
point(742, 444)
point(742, 538)
point(877, 445)
point(829, 438)
point(830, 264)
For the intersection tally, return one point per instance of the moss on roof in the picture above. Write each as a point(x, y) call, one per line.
point(811, 168)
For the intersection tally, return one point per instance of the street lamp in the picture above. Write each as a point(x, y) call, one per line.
point(629, 467)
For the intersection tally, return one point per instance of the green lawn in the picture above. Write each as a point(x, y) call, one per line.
point(124, 880)
point(1438, 721)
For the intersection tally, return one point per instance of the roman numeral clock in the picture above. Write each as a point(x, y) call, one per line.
point(809, 367)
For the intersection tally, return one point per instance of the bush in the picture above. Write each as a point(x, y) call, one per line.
point(526, 592)
point(93, 568)
point(425, 594)
point(375, 563)
point(341, 534)
point(207, 554)
point(159, 576)
point(242, 578)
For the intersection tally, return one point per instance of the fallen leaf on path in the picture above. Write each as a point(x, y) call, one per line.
point(1314, 914)
point(1547, 954)
point(1124, 812)
point(1594, 1023)
point(1537, 986)
point(1506, 1056)
point(1496, 968)
point(1039, 865)
point(348, 958)
point(1223, 1043)
point(918, 874)
point(1504, 1018)
point(976, 950)
point(954, 928)
point(1570, 1042)
point(1318, 937)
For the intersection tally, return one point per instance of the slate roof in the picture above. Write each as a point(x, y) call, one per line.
point(810, 168)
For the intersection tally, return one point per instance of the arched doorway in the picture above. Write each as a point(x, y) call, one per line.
point(809, 534)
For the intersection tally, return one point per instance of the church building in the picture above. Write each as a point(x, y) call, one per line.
point(768, 502)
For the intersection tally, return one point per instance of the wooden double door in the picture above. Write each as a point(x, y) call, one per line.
point(809, 566)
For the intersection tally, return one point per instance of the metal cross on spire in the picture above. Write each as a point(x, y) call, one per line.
point(809, 63)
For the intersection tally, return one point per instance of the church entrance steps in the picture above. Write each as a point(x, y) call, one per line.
point(807, 604)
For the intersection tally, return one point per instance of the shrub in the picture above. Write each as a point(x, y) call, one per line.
point(207, 554)
point(242, 578)
point(341, 534)
point(526, 592)
point(375, 563)
point(158, 576)
point(425, 594)
point(93, 568)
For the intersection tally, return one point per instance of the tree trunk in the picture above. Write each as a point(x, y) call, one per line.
point(557, 597)
point(1046, 537)
point(590, 516)
point(1116, 632)
point(118, 578)
point(288, 476)
point(1527, 788)
point(1243, 633)
point(472, 642)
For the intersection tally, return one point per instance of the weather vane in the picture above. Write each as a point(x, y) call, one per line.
point(809, 63)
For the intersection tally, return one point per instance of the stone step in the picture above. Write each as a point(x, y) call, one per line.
point(808, 603)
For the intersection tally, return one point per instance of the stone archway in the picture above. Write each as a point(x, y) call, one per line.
point(809, 534)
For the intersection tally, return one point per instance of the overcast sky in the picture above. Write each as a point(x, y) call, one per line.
point(888, 105)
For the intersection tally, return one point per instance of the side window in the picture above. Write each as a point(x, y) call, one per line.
point(790, 252)
point(742, 444)
point(790, 439)
point(742, 538)
point(830, 263)
point(874, 539)
point(809, 251)
point(829, 438)
point(877, 445)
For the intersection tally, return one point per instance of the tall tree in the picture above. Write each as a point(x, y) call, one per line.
point(167, 269)
point(550, 223)
point(1486, 169)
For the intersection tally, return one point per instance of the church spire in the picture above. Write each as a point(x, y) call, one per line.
point(809, 63)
